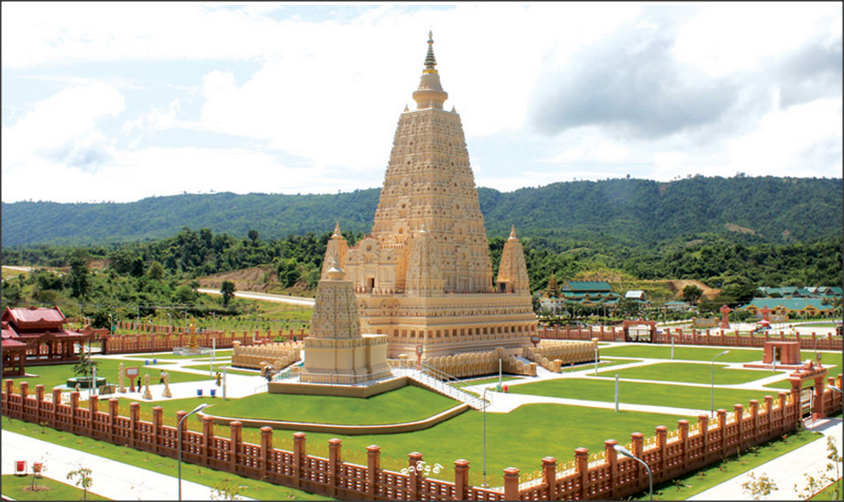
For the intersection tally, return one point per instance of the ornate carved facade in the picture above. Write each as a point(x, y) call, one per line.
point(424, 275)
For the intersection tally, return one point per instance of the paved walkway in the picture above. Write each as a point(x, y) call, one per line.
point(786, 470)
point(111, 479)
point(254, 295)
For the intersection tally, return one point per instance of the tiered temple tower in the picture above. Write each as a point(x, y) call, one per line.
point(423, 276)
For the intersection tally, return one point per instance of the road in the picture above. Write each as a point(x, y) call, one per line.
point(22, 269)
point(254, 295)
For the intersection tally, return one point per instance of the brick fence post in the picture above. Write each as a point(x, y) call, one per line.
point(39, 401)
point(207, 437)
point(661, 437)
point(74, 403)
point(754, 410)
point(113, 406)
point(511, 483)
point(769, 406)
point(581, 465)
point(461, 478)
point(24, 393)
point(782, 396)
point(299, 453)
point(335, 446)
point(549, 471)
point(134, 418)
point(722, 424)
point(234, 442)
point(266, 449)
point(157, 415)
point(703, 424)
point(57, 400)
point(413, 459)
point(92, 414)
point(9, 384)
point(738, 409)
point(612, 458)
point(373, 465)
point(638, 440)
point(683, 427)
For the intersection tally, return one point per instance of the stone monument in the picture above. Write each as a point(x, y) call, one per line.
point(335, 351)
point(167, 392)
point(424, 275)
point(147, 394)
point(120, 386)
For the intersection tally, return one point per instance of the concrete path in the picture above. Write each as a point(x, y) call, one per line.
point(785, 471)
point(254, 295)
point(111, 479)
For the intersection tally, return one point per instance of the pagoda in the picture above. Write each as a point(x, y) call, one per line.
point(423, 276)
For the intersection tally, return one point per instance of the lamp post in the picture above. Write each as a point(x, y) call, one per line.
point(712, 373)
point(485, 485)
point(201, 406)
point(624, 451)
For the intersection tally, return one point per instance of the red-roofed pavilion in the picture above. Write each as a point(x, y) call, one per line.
point(41, 333)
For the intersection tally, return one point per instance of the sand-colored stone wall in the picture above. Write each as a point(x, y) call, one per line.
point(555, 354)
point(470, 364)
point(279, 355)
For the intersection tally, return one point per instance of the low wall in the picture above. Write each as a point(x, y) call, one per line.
point(348, 430)
point(166, 342)
point(553, 354)
point(601, 475)
point(336, 390)
point(694, 337)
point(279, 354)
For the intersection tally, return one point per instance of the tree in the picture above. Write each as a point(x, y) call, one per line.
point(227, 290)
point(85, 365)
point(155, 271)
point(692, 293)
point(78, 277)
point(226, 489)
point(759, 487)
point(253, 236)
point(84, 481)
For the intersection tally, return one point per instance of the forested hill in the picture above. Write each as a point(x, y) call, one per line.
point(622, 211)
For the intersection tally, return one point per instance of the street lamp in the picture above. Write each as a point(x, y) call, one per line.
point(485, 485)
point(201, 406)
point(624, 451)
point(712, 399)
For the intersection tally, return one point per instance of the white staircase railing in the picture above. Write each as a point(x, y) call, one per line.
point(443, 382)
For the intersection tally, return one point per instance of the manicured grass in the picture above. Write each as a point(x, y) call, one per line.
point(687, 353)
point(691, 373)
point(640, 393)
point(51, 376)
point(261, 490)
point(406, 404)
point(828, 493)
point(520, 439)
point(703, 479)
point(785, 384)
point(18, 488)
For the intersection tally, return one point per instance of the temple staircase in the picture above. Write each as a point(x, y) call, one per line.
point(443, 383)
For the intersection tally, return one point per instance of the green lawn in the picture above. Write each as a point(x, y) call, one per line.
point(406, 404)
point(828, 493)
point(640, 393)
point(785, 384)
point(261, 490)
point(51, 376)
point(520, 438)
point(17, 488)
point(703, 479)
point(691, 373)
point(700, 353)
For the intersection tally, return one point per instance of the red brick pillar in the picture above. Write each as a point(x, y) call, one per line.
point(786, 419)
point(113, 407)
point(236, 431)
point(511, 483)
point(9, 384)
point(373, 465)
point(92, 413)
point(549, 470)
point(157, 415)
point(662, 441)
point(39, 401)
point(57, 400)
point(754, 410)
point(769, 406)
point(683, 427)
point(612, 458)
point(299, 452)
point(461, 479)
point(722, 424)
point(413, 460)
point(581, 466)
point(134, 418)
point(334, 450)
point(24, 393)
point(703, 425)
point(74, 403)
point(207, 437)
point(266, 449)
point(818, 399)
point(738, 409)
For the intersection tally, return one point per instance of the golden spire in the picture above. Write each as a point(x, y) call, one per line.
point(337, 234)
point(430, 60)
point(512, 234)
point(430, 93)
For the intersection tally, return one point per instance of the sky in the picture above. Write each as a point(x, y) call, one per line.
point(123, 101)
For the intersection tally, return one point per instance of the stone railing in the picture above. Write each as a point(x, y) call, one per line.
point(280, 354)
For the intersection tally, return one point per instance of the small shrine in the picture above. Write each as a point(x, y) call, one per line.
point(34, 336)
point(193, 348)
point(778, 354)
